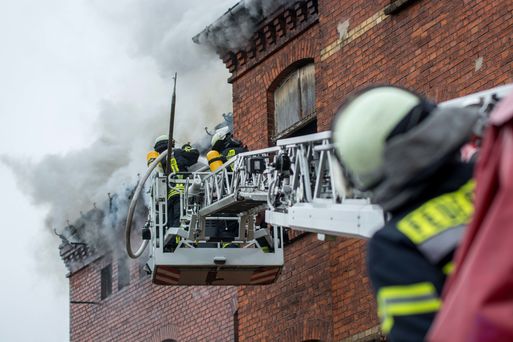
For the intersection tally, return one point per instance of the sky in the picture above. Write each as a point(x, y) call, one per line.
point(85, 88)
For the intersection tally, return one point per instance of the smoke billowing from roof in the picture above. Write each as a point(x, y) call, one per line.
point(156, 36)
point(236, 27)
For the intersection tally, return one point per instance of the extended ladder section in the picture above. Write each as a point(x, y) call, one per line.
point(308, 192)
point(219, 241)
point(223, 237)
point(298, 182)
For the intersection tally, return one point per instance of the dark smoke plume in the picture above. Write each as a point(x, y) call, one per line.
point(236, 27)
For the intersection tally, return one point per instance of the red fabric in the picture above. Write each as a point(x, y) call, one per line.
point(478, 298)
point(468, 151)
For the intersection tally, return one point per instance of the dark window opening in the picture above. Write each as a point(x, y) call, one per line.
point(106, 282)
point(168, 340)
point(397, 6)
point(309, 127)
point(123, 273)
point(294, 103)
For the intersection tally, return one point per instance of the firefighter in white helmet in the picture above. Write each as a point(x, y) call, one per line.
point(403, 150)
point(225, 145)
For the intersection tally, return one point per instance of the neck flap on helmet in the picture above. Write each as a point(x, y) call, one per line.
point(411, 158)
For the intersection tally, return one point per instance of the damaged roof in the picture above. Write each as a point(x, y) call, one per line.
point(234, 29)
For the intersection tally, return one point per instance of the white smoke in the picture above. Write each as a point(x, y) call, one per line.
point(235, 29)
point(157, 36)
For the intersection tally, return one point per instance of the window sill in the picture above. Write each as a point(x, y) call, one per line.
point(298, 125)
point(397, 6)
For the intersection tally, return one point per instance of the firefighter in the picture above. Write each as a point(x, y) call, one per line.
point(403, 150)
point(182, 159)
point(226, 145)
point(223, 148)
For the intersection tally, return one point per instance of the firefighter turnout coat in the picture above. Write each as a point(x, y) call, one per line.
point(182, 159)
point(409, 258)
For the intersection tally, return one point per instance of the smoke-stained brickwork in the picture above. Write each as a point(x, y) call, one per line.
point(443, 49)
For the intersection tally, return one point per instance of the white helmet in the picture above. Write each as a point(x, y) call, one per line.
point(361, 128)
point(161, 143)
point(160, 138)
point(220, 134)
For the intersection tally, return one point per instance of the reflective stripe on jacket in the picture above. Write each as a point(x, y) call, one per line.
point(436, 227)
point(182, 159)
point(175, 188)
point(232, 152)
point(404, 300)
point(409, 258)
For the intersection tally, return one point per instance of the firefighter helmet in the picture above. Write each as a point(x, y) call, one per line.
point(160, 138)
point(161, 143)
point(220, 135)
point(364, 124)
point(151, 156)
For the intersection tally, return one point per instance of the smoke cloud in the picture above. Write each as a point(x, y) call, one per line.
point(157, 38)
point(237, 26)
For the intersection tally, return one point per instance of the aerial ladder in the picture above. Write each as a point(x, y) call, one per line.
point(298, 184)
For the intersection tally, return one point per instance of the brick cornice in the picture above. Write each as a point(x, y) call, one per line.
point(272, 35)
point(77, 256)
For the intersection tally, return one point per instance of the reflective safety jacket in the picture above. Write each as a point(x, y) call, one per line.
point(231, 152)
point(229, 148)
point(409, 258)
point(182, 159)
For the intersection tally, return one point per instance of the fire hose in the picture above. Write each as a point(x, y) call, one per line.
point(131, 210)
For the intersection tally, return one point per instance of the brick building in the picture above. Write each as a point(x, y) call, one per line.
point(288, 79)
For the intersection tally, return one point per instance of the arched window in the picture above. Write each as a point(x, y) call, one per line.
point(294, 102)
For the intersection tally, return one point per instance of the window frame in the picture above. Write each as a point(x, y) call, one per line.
point(291, 73)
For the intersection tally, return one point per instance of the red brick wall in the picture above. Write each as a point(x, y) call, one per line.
point(354, 308)
point(431, 46)
point(145, 312)
point(298, 306)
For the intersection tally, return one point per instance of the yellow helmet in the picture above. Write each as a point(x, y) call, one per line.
point(151, 156)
